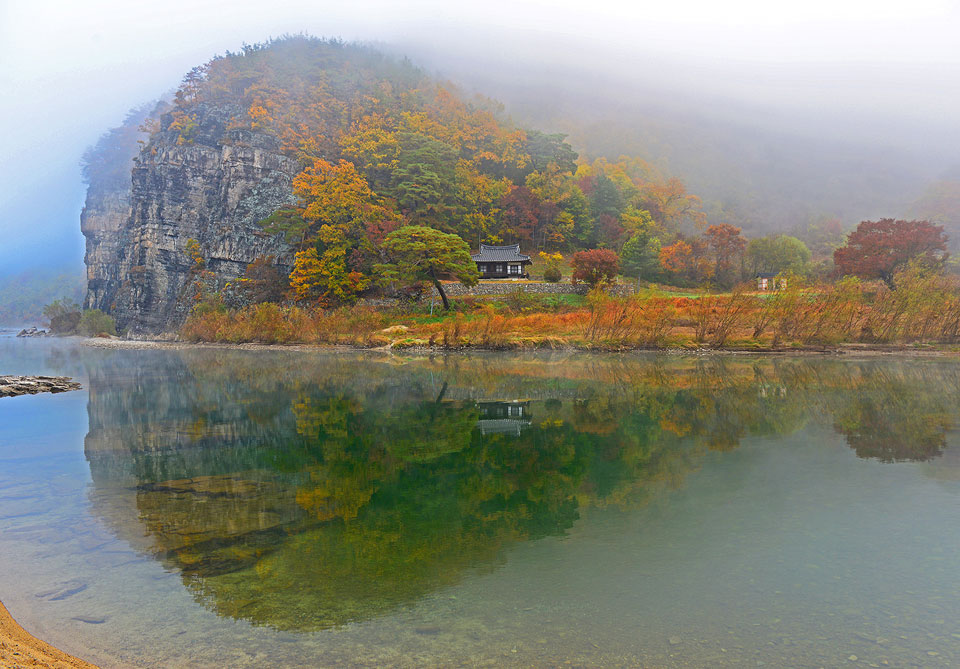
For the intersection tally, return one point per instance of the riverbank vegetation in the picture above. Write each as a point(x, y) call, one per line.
point(923, 307)
point(66, 317)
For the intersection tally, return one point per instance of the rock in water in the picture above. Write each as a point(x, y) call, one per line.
point(11, 386)
point(33, 332)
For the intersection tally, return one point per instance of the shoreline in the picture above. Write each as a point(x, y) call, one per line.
point(19, 648)
point(839, 350)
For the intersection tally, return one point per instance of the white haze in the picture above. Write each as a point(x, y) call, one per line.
point(879, 71)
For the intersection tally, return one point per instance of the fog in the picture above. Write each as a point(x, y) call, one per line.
point(878, 80)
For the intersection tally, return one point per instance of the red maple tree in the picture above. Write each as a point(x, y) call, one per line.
point(595, 267)
point(878, 249)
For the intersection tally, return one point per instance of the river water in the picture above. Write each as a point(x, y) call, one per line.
point(217, 508)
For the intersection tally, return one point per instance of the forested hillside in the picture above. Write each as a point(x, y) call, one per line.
point(382, 144)
point(766, 170)
point(330, 147)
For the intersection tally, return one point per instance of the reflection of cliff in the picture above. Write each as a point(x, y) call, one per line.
point(304, 491)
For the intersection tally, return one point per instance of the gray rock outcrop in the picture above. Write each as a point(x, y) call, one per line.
point(11, 386)
point(213, 188)
point(34, 332)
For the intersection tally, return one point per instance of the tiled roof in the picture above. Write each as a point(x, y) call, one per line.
point(498, 253)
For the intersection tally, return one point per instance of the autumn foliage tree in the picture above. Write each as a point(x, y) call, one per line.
point(878, 249)
point(520, 213)
point(321, 272)
point(595, 267)
point(337, 195)
point(676, 258)
point(727, 246)
point(686, 260)
point(261, 282)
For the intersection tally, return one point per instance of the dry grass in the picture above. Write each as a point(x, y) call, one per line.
point(922, 308)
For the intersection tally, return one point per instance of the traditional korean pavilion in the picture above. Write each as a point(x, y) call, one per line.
point(501, 262)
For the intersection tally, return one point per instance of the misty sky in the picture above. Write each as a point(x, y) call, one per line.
point(69, 70)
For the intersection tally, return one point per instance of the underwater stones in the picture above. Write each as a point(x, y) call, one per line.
point(62, 591)
point(90, 619)
point(11, 386)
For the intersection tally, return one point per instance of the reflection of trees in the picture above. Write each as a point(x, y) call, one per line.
point(892, 419)
point(308, 491)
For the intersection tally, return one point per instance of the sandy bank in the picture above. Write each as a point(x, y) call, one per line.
point(19, 648)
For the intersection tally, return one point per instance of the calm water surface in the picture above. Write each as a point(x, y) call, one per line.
point(227, 508)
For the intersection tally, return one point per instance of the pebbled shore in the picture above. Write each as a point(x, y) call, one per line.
point(11, 386)
point(859, 350)
point(20, 649)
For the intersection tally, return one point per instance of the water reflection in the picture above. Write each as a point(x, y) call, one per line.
point(309, 491)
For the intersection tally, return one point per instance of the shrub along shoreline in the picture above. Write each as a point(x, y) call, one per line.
point(922, 311)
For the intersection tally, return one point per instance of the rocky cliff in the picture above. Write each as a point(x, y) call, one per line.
point(212, 187)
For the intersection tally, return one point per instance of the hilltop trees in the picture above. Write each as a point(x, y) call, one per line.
point(878, 249)
point(425, 151)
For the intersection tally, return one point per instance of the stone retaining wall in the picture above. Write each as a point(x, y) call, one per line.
point(487, 288)
point(536, 288)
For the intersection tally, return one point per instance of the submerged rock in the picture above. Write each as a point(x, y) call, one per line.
point(62, 591)
point(11, 386)
point(90, 619)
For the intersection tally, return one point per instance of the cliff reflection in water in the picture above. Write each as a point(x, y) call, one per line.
point(307, 491)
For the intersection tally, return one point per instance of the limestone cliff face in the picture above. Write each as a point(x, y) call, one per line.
point(212, 188)
point(102, 218)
